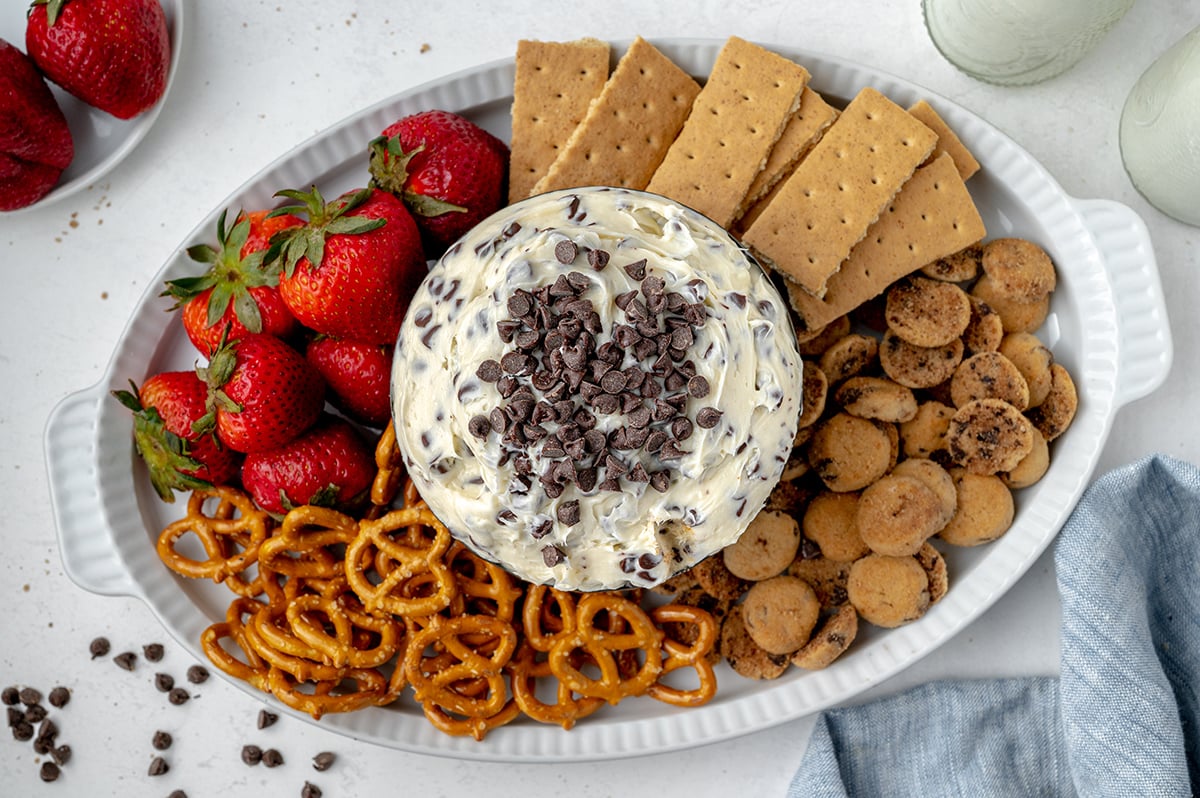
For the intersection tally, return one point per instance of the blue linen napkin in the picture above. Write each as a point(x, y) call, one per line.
point(1121, 717)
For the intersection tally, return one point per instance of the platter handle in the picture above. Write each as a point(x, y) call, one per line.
point(1143, 331)
point(85, 543)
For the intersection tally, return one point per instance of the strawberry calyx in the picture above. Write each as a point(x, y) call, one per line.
point(53, 9)
point(229, 275)
point(165, 453)
point(324, 219)
point(215, 375)
point(388, 165)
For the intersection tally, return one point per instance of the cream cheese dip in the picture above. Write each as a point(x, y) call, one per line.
point(596, 388)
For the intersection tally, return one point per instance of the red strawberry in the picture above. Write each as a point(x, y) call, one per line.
point(238, 294)
point(112, 54)
point(35, 143)
point(165, 409)
point(330, 466)
point(262, 393)
point(352, 269)
point(450, 172)
point(358, 376)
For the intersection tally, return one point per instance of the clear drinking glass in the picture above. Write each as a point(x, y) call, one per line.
point(1160, 131)
point(1018, 42)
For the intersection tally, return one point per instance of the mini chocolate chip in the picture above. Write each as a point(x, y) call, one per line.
point(682, 338)
point(62, 755)
point(542, 529)
point(10, 696)
point(610, 484)
point(22, 730)
point(181, 793)
point(606, 404)
point(251, 754)
point(586, 479)
point(520, 303)
point(310, 790)
point(670, 451)
point(638, 474)
point(551, 555)
point(655, 440)
point(652, 286)
point(565, 251)
point(161, 740)
point(479, 426)
point(681, 428)
point(660, 481)
point(614, 381)
point(708, 417)
point(527, 339)
point(695, 314)
point(675, 381)
point(59, 697)
point(15, 716)
point(489, 371)
point(623, 299)
point(272, 758)
point(809, 550)
point(164, 682)
point(516, 363)
point(266, 719)
point(597, 259)
point(30, 696)
point(636, 270)
point(153, 652)
point(49, 771)
point(126, 660)
point(640, 417)
point(568, 512)
point(507, 329)
point(323, 761)
point(178, 696)
point(552, 489)
point(197, 674)
point(158, 766)
point(35, 713)
point(42, 746)
point(99, 647)
point(698, 387)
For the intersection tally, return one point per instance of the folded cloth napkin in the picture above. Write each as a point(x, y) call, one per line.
point(1121, 717)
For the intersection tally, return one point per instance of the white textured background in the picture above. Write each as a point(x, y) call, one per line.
point(256, 78)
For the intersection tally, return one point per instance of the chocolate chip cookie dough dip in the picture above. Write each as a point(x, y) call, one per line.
point(596, 388)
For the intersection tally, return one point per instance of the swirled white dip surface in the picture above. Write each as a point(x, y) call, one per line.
point(544, 465)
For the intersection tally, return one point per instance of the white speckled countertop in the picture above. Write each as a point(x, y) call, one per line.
point(258, 77)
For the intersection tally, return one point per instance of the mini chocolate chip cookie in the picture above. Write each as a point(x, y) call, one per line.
point(1033, 359)
point(766, 548)
point(829, 641)
point(746, 657)
point(826, 577)
point(888, 591)
point(989, 375)
point(849, 453)
point(1021, 269)
point(984, 511)
point(927, 312)
point(1015, 315)
point(988, 436)
point(814, 391)
point(780, 613)
point(852, 354)
point(716, 579)
point(812, 343)
point(877, 398)
point(1032, 467)
point(936, 478)
point(918, 366)
point(925, 433)
point(829, 521)
point(934, 564)
point(961, 267)
point(897, 514)
point(1057, 410)
point(985, 330)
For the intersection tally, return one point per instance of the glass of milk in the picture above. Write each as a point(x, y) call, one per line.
point(1018, 42)
point(1160, 131)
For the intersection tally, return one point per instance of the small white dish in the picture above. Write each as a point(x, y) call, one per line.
point(101, 140)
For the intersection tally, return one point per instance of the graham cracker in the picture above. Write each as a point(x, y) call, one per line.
point(825, 206)
point(931, 217)
point(948, 141)
point(801, 133)
point(628, 127)
point(735, 121)
point(555, 82)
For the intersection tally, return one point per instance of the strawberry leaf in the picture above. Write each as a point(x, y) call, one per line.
point(324, 219)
